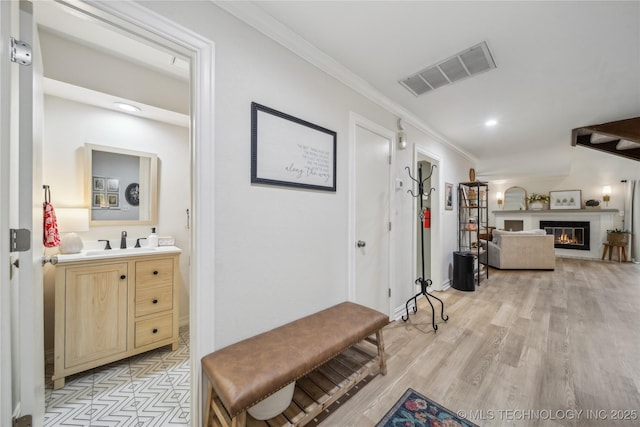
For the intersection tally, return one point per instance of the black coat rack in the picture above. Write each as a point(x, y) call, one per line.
point(422, 281)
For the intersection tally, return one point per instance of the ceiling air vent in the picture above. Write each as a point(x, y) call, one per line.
point(474, 60)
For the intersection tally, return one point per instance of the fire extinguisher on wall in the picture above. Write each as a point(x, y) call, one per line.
point(427, 218)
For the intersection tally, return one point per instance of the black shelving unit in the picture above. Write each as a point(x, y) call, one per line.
point(473, 221)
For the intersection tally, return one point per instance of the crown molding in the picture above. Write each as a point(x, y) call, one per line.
point(254, 16)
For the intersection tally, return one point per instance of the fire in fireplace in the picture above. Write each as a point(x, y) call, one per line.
point(568, 234)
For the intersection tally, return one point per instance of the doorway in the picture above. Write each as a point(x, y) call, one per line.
point(433, 255)
point(183, 238)
point(423, 235)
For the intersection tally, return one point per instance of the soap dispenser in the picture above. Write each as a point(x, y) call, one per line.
point(153, 238)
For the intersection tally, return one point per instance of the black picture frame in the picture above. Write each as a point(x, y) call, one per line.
point(291, 152)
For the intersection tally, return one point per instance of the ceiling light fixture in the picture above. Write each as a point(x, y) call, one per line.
point(490, 123)
point(127, 107)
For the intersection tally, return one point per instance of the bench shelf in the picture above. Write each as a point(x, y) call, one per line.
point(316, 391)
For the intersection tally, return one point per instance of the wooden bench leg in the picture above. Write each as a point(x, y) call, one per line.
point(207, 412)
point(239, 420)
point(604, 251)
point(381, 355)
point(624, 254)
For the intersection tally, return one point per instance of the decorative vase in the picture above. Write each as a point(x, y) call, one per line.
point(472, 175)
point(536, 206)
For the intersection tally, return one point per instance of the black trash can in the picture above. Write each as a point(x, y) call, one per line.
point(463, 272)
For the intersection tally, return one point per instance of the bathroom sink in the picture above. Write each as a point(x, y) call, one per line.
point(114, 253)
point(119, 252)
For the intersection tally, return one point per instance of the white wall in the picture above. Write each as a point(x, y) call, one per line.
point(589, 171)
point(68, 126)
point(281, 253)
point(77, 64)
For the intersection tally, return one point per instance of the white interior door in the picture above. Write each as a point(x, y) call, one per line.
point(21, 362)
point(372, 229)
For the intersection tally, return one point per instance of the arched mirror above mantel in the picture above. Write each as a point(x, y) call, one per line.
point(121, 186)
point(515, 199)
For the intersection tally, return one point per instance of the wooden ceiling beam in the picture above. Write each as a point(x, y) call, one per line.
point(628, 129)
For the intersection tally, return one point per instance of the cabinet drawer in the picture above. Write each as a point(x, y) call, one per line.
point(152, 330)
point(153, 299)
point(154, 272)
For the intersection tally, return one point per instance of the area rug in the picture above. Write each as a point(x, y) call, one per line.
point(415, 410)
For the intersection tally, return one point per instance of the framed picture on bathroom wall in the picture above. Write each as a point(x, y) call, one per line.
point(113, 200)
point(567, 199)
point(98, 183)
point(99, 201)
point(289, 151)
point(113, 184)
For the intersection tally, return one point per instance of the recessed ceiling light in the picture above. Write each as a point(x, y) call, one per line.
point(128, 107)
point(490, 123)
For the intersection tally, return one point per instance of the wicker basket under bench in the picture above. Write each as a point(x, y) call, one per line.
point(326, 353)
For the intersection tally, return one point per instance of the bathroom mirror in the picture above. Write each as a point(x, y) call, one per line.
point(515, 199)
point(121, 186)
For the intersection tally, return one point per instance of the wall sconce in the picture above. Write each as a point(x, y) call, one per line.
point(69, 221)
point(500, 199)
point(606, 194)
point(402, 136)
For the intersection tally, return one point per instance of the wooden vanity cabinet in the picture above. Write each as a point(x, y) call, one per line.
point(110, 309)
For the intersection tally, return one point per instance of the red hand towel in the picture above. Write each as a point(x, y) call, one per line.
point(51, 236)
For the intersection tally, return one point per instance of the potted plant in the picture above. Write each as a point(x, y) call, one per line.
point(537, 201)
point(618, 236)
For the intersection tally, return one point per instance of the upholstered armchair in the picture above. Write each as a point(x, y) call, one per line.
point(523, 250)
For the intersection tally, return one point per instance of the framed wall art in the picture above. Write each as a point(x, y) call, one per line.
point(98, 184)
point(291, 152)
point(99, 200)
point(448, 196)
point(566, 199)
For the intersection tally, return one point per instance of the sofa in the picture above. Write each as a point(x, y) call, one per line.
point(521, 250)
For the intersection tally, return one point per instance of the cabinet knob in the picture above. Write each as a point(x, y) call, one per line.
point(155, 301)
point(155, 272)
point(123, 277)
point(155, 330)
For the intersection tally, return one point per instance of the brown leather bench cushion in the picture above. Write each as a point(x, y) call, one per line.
point(246, 372)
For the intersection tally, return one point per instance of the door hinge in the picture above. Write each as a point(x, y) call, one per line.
point(389, 292)
point(389, 225)
point(24, 421)
point(20, 52)
point(19, 240)
point(389, 158)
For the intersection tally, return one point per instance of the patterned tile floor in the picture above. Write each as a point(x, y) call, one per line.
point(151, 389)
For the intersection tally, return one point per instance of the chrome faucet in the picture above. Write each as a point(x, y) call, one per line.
point(123, 240)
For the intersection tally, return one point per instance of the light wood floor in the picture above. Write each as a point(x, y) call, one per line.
point(526, 348)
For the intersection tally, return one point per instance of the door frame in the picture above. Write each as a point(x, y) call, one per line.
point(437, 217)
point(137, 19)
point(6, 392)
point(356, 120)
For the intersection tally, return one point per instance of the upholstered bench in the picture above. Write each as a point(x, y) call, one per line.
point(246, 372)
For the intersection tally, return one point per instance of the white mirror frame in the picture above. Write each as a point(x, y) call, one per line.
point(522, 203)
point(148, 182)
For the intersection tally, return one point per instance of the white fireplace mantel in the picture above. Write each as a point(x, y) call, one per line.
point(600, 221)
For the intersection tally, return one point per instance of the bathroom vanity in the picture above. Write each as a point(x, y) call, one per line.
point(110, 305)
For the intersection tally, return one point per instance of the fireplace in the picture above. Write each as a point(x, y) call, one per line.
point(568, 234)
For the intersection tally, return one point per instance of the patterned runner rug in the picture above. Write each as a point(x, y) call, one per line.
point(415, 410)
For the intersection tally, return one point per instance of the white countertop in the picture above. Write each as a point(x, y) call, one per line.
point(90, 255)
